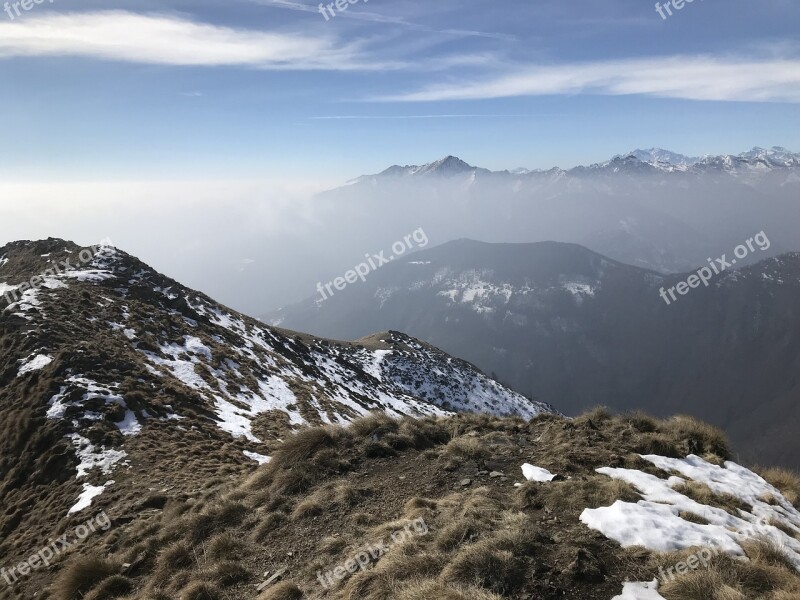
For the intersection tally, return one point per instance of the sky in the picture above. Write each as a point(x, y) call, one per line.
point(269, 90)
point(181, 128)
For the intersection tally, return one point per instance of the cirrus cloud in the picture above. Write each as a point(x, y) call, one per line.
point(682, 77)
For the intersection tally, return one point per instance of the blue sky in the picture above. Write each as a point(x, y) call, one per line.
point(269, 90)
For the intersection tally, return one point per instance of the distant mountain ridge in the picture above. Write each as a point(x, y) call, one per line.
point(569, 326)
point(651, 208)
point(658, 159)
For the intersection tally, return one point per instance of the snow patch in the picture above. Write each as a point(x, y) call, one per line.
point(655, 522)
point(259, 458)
point(40, 361)
point(532, 473)
point(91, 457)
point(89, 493)
point(640, 591)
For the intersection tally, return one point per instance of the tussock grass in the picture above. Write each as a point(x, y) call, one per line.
point(378, 583)
point(768, 575)
point(429, 589)
point(226, 546)
point(81, 575)
point(486, 566)
point(698, 437)
point(700, 492)
point(177, 557)
point(227, 573)
point(597, 415)
point(574, 495)
point(467, 447)
point(786, 481)
point(115, 586)
point(267, 525)
point(765, 552)
point(282, 591)
point(375, 423)
point(201, 590)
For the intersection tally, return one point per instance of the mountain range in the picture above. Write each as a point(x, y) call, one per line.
point(758, 160)
point(651, 208)
point(571, 327)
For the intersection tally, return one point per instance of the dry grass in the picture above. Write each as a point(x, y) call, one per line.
point(786, 481)
point(703, 494)
point(429, 589)
point(226, 546)
point(200, 590)
point(81, 575)
point(768, 575)
point(484, 565)
point(282, 591)
point(331, 492)
point(115, 586)
point(698, 437)
point(467, 447)
point(575, 495)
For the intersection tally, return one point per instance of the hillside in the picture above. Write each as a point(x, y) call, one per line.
point(455, 508)
point(574, 328)
point(115, 379)
point(158, 446)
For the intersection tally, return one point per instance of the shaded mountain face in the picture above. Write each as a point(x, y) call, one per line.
point(112, 373)
point(569, 326)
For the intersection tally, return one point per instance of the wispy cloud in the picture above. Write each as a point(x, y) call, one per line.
point(372, 17)
point(168, 40)
point(392, 117)
point(684, 77)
